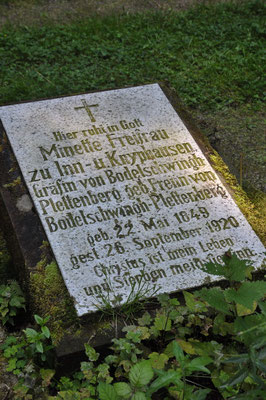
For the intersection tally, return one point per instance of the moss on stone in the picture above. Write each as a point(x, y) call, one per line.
point(15, 182)
point(251, 211)
point(50, 298)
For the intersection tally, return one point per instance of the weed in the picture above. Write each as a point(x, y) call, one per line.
point(27, 356)
point(178, 351)
point(125, 308)
point(11, 301)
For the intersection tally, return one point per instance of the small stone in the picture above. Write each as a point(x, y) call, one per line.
point(24, 203)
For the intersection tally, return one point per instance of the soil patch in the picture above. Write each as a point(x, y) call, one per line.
point(32, 12)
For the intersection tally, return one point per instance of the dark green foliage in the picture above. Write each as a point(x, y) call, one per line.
point(233, 268)
point(215, 298)
point(247, 293)
point(212, 55)
point(27, 354)
point(32, 347)
point(166, 352)
point(11, 301)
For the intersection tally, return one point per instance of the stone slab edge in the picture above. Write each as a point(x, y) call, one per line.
point(32, 254)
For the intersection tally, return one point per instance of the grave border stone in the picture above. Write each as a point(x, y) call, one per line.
point(33, 257)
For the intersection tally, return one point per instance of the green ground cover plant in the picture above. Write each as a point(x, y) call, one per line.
point(209, 346)
point(11, 301)
point(212, 55)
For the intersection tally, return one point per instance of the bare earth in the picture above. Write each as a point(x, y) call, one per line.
point(32, 12)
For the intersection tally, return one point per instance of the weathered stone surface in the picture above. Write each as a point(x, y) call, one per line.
point(124, 193)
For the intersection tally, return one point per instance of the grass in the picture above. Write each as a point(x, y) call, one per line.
point(212, 55)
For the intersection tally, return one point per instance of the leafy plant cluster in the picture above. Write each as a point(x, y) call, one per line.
point(11, 301)
point(213, 55)
point(210, 345)
point(26, 354)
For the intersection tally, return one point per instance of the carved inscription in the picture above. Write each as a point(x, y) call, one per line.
point(125, 195)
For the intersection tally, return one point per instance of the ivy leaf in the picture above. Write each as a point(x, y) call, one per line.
point(169, 350)
point(11, 364)
point(158, 361)
point(10, 340)
point(186, 346)
point(21, 364)
point(87, 370)
point(193, 304)
point(3, 290)
point(213, 269)
point(221, 327)
point(135, 336)
point(141, 373)
point(233, 270)
point(163, 299)
point(103, 372)
point(126, 364)
point(145, 319)
point(4, 311)
point(213, 348)
point(241, 310)
point(46, 375)
point(107, 392)
point(247, 293)
point(236, 269)
point(15, 302)
point(111, 359)
point(162, 322)
point(215, 297)
point(154, 331)
point(136, 333)
point(91, 353)
point(10, 351)
point(123, 389)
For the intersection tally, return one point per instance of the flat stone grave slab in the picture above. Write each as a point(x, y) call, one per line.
point(124, 193)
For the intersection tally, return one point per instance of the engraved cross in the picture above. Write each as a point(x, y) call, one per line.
point(87, 108)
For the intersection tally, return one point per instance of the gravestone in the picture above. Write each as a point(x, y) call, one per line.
point(125, 193)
